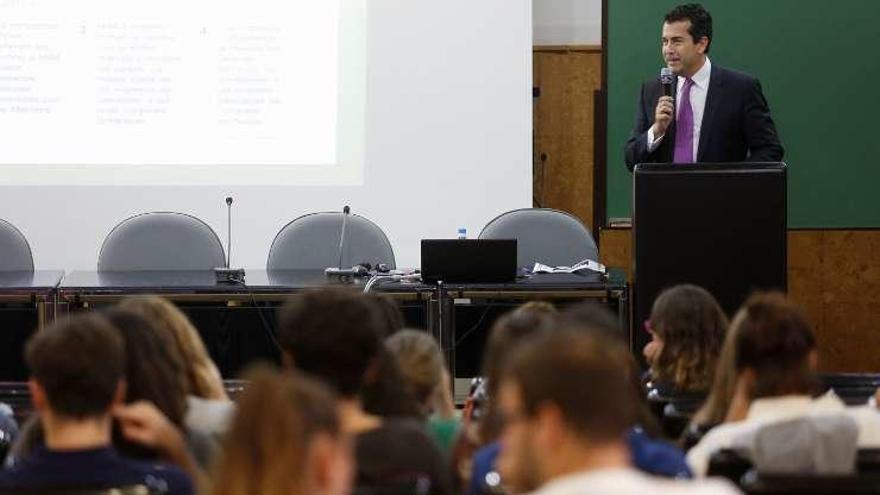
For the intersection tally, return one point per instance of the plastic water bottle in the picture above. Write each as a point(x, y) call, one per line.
point(462, 233)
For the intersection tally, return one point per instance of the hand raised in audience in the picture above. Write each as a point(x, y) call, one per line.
point(142, 422)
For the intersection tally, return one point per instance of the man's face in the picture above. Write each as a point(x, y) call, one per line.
point(682, 55)
point(519, 461)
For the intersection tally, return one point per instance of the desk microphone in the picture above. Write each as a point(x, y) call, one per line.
point(667, 79)
point(338, 271)
point(226, 275)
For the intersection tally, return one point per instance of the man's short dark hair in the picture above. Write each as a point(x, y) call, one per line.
point(333, 334)
point(701, 21)
point(774, 339)
point(584, 374)
point(79, 362)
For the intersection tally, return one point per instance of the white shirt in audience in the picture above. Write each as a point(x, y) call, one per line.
point(628, 481)
point(770, 410)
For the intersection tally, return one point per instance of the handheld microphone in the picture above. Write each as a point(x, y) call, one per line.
point(667, 79)
point(227, 275)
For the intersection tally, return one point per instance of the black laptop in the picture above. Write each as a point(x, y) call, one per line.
point(468, 260)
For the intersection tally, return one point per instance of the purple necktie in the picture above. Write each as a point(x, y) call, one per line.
point(684, 127)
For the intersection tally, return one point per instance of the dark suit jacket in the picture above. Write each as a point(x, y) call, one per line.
point(736, 123)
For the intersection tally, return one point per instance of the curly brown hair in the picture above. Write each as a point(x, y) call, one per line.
point(691, 325)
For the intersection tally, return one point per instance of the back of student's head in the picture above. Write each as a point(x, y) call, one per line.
point(203, 379)
point(154, 370)
point(420, 361)
point(270, 442)
point(333, 334)
point(507, 332)
point(79, 363)
point(597, 320)
point(775, 343)
point(389, 313)
point(584, 374)
point(690, 325)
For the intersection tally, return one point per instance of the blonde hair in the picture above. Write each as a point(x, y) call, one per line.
point(266, 450)
point(420, 361)
point(714, 410)
point(201, 374)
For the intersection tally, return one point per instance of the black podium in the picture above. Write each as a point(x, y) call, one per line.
point(720, 226)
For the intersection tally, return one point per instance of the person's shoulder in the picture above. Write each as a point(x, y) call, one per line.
point(733, 76)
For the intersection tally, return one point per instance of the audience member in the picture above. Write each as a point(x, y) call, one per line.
point(650, 452)
point(285, 439)
point(335, 335)
point(208, 407)
point(775, 361)
point(383, 392)
point(567, 401)
point(77, 378)
point(687, 327)
point(718, 406)
point(477, 448)
point(427, 379)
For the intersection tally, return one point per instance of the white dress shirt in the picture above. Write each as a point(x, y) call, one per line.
point(699, 90)
point(628, 481)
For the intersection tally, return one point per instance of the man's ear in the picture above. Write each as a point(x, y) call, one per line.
point(119, 393)
point(321, 462)
point(287, 360)
point(813, 360)
point(703, 45)
point(549, 424)
point(38, 395)
point(372, 372)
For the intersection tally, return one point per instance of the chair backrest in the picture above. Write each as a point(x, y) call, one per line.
point(311, 242)
point(543, 235)
point(161, 241)
point(754, 483)
point(15, 252)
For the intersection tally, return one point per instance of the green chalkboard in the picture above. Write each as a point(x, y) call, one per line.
point(819, 65)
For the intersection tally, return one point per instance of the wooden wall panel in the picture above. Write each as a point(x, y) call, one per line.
point(834, 275)
point(563, 123)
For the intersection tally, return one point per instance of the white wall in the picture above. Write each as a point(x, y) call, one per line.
point(567, 22)
point(448, 144)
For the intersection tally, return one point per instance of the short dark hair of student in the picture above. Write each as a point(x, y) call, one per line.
point(334, 335)
point(701, 21)
point(774, 339)
point(592, 316)
point(390, 312)
point(506, 333)
point(692, 325)
point(584, 374)
point(79, 362)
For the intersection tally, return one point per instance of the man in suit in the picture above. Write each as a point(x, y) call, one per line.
point(714, 115)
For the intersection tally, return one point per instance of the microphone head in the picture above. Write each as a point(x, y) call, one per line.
point(666, 76)
point(346, 210)
point(228, 200)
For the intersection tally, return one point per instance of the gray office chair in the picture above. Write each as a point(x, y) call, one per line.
point(543, 235)
point(161, 241)
point(311, 242)
point(15, 252)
